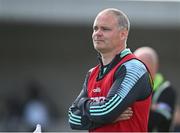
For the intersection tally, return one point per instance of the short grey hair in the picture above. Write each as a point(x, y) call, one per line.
point(123, 19)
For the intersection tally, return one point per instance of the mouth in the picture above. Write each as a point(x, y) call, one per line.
point(98, 40)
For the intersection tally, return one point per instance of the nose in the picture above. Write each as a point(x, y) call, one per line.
point(97, 32)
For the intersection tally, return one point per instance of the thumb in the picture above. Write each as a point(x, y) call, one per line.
point(38, 129)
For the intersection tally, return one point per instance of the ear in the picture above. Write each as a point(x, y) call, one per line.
point(123, 34)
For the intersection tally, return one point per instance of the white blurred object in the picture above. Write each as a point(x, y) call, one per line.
point(36, 112)
point(38, 129)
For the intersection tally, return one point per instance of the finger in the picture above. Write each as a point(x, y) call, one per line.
point(129, 108)
point(126, 115)
point(128, 112)
point(123, 118)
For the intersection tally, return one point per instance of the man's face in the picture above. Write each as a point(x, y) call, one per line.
point(106, 33)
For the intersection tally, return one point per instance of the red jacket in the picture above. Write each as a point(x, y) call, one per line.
point(138, 122)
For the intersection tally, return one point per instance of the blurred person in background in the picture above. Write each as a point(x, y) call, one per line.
point(38, 108)
point(176, 122)
point(164, 95)
point(10, 112)
point(119, 81)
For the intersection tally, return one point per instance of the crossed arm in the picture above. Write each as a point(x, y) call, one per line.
point(131, 85)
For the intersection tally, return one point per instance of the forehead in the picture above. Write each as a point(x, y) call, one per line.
point(106, 19)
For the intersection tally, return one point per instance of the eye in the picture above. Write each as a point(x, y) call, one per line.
point(105, 29)
point(95, 28)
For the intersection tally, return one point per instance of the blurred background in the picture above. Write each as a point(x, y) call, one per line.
point(46, 50)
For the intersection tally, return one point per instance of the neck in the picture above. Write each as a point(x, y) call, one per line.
point(108, 57)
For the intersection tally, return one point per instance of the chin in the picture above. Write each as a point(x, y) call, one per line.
point(100, 50)
point(99, 47)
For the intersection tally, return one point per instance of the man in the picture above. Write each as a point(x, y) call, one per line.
point(119, 81)
point(164, 96)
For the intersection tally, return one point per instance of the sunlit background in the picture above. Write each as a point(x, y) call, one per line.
point(46, 50)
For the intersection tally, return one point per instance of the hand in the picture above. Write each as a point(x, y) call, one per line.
point(38, 129)
point(127, 114)
point(154, 107)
